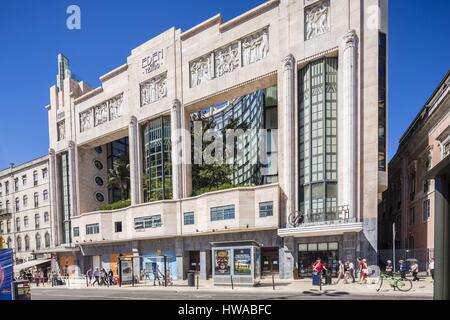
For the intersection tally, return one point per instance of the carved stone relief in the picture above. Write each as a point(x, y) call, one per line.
point(201, 70)
point(61, 128)
point(115, 107)
point(153, 90)
point(227, 59)
point(86, 120)
point(102, 113)
point(317, 19)
point(255, 47)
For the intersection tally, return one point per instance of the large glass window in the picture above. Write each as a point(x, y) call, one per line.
point(116, 150)
point(148, 222)
point(222, 213)
point(157, 160)
point(92, 229)
point(382, 98)
point(266, 209)
point(189, 218)
point(65, 195)
point(318, 139)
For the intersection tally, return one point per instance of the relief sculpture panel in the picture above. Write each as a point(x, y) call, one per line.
point(317, 19)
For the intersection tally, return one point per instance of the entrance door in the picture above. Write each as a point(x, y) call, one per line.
point(194, 261)
point(270, 260)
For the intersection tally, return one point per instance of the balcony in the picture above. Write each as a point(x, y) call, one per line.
point(321, 222)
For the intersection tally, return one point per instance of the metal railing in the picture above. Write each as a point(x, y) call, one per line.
point(323, 216)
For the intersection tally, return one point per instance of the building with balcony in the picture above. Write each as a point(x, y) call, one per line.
point(409, 202)
point(305, 85)
point(25, 213)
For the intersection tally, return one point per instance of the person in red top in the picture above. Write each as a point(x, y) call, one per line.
point(318, 266)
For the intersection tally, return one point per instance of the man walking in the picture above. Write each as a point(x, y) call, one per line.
point(431, 268)
point(351, 270)
point(96, 277)
point(415, 270)
point(88, 277)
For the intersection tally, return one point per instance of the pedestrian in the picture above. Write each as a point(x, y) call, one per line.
point(88, 277)
point(364, 271)
point(156, 275)
point(431, 269)
point(111, 277)
point(414, 269)
point(36, 278)
point(403, 268)
point(389, 268)
point(341, 272)
point(351, 270)
point(105, 279)
point(96, 277)
point(42, 278)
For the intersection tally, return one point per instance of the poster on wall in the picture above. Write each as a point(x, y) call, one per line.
point(153, 262)
point(126, 271)
point(6, 274)
point(222, 262)
point(242, 262)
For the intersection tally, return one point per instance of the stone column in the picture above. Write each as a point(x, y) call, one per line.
point(205, 264)
point(350, 132)
point(289, 133)
point(179, 251)
point(288, 253)
point(177, 156)
point(55, 221)
point(73, 178)
point(134, 165)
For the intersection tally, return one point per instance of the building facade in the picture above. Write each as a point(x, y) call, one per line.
point(25, 213)
point(311, 75)
point(409, 202)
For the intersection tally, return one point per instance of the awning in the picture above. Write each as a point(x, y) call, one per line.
point(29, 264)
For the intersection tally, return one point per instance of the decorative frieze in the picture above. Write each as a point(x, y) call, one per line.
point(102, 113)
point(255, 47)
point(154, 89)
point(227, 59)
point(317, 19)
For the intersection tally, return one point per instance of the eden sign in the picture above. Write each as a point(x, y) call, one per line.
point(153, 62)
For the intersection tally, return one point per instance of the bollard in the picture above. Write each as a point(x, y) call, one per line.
point(273, 281)
point(232, 284)
point(320, 281)
point(198, 281)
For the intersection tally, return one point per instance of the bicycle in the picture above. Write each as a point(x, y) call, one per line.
point(403, 285)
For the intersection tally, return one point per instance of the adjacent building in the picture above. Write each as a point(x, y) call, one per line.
point(311, 75)
point(409, 202)
point(25, 212)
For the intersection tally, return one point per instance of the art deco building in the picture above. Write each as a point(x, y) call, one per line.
point(409, 201)
point(25, 215)
point(310, 74)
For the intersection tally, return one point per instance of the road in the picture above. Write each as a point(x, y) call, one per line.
point(170, 294)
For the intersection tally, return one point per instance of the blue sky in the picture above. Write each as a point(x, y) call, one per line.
point(32, 33)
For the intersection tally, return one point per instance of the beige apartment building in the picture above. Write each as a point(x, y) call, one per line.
point(409, 201)
point(25, 213)
point(311, 74)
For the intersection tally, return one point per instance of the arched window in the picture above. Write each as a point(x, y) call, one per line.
point(47, 240)
point(19, 244)
point(25, 201)
point(45, 195)
point(17, 205)
point(35, 178)
point(38, 241)
point(9, 243)
point(25, 222)
point(7, 205)
point(46, 217)
point(27, 243)
point(17, 224)
point(36, 200)
point(37, 220)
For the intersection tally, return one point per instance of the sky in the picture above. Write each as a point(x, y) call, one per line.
point(32, 33)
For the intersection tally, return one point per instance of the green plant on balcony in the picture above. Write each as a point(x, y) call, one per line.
point(119, 176)
point(116, 205)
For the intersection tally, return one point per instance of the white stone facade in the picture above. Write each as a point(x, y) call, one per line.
point(177, 73)
point(25, 211)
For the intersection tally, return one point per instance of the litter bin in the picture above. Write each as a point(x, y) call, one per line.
point(316, 279)
point(191, 279)
point(21, 290)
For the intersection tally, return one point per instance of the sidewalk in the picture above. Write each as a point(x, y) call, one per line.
point(424, 288)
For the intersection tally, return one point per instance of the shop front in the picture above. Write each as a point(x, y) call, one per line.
point(308, 253)
point(236, 263)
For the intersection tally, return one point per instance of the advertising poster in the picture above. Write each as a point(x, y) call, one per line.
point(6, 274)
point(242, 261)
point(222, 262)
point(127, 271)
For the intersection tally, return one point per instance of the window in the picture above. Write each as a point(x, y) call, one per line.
point(157, 159)
point(44, 173)
point(318, 119)
point(16, 184)
point(6, 187)
point(222, 213)
point(147, 222)
point(92, 229)
point(7, 206)
point(189, 218)
point(19, 244)
point(17, 206)
point(76, 232)
point(24, 180)
point(38, 241)
point(446, 149)
point(47, 240)
point(45, 195)
point(9, 243)
point(35, 178)
point(412, 216)
point(26, 222)
point(382, 101)
point(426, 213)
point(118, 226)
point(25, 201)
point(36, 200)
point(37, 220)
point(65, 196)
point(8, 226)
point(1, 189)
point(17, 224)
point(46, 217)
point(27, 243)
point(1, 227)
point(426, 186)
point(266, 209)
